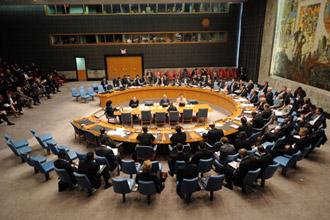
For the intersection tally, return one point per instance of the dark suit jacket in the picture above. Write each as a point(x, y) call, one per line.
point(133, 104)
point(214, 135)
point(247, 163)
point(187, 171)
point(105, 140)
point(300, 144)
point(266, 114)
point(258, 122)
point(164, 101)
point(242, 143)
point(150, 177)
point(90, 168)
point(145, 139)
point(179, 138)
point(172, 109)
point(263, 161)
point(270, 98)
point(66, 165)
point(247, 128)
point(107, 153)
point(202, 154)
point(320, 121)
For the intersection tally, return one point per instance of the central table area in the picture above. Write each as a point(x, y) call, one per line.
point(235, 106)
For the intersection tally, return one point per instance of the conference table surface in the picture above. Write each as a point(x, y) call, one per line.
point(235, 105)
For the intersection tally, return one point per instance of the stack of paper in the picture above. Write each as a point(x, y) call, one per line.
point(234, 126)
point(240, 99)
point(246, 105)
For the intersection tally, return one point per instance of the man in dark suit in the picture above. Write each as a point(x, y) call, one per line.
point(63, 163)
point(264, 87)
point(134, 103)
point(145, 138)
point(187, 171)
point(267, 112)
point(172, 108)
point(242, 141)
point(202, 153)
point(91, 169)
point(176, 154)
point(263, 160)
point(179, 136)
point(250, 86)
point(269, 96)
point(257, 121)
point(236, 176)
point(214, 134)
point(164, 101)
point(117, 82)
point(106, 152)
point(106, 140)
point(226, 149)
point(245, 126)
point(318, 120)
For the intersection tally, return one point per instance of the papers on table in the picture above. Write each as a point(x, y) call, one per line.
point(234, 126)
point(118, 132)
point(247, 111)
point(246, 105)
point(127, 108)
point(234, 164)
point(200, 131)
point(240, 99)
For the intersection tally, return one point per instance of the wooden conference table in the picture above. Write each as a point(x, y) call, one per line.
point(236, 106)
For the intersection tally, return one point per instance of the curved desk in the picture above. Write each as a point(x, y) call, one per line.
point(194, 133)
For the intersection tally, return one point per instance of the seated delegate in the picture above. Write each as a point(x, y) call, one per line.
point(134, 103)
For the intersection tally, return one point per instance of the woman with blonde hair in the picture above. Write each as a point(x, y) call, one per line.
point(148, 175)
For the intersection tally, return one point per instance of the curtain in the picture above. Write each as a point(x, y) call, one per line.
point(252, 26)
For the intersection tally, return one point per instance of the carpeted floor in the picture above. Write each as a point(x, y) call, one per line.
point(305, 194)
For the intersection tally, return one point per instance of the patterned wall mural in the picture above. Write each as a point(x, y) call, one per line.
point(301, 49)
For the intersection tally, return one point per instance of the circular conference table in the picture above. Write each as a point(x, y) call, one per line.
point(235, 105)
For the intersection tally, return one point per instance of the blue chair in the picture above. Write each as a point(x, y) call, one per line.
point(123, 186)
point(147, 188)
point(90, 138)
point(250, 178)
point(130, 167)
point(102, 161)
point(55, 149)
point(156, 166)
point(145, 152)
point(202, 114)
point(231, 158)
point(217, 166)
point(253, 138)
point(81, 156)
point(64, 176)
point(83, 182)
point(18, 152)
point(287, 162)
point(304, 152)
point(213, 183)
point(78, 132)
point(29, 160)
point(16, 143)
point(187, 115)
point(100, 89)
point(83, 94)
point(268, 173)
point(188, 187)
point(75, 93)
point(44, 168)
point(95, 87)
point(146, 117)
point(205, 165)
point(42, 139)
point(91, 92)
point(160, 118)
point(179, 163)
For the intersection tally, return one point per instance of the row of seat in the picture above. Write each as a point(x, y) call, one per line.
point(83, 94)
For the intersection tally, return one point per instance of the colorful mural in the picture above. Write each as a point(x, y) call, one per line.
point(302, 42)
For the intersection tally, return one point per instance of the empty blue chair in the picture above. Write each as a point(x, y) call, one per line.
point(249, 178)
point(29, 160)
point(90, 138)
point(43, 137)
point(205, 165)
point(123, 186)
point(102, 161)
point(287, 162)
point(16, 143)
point(83, 182)
point(188, 187)
point(78, 132)
point(18, 152)
point(44, 168)
point(75, 93)
point(100, 89)
point(91, 92)
point(83, 94)
point(213, 183)
point(147, 188)
point(130, 167)
point(268, 173)
point(81, 156)
point(55, 148)
point(64, 176)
